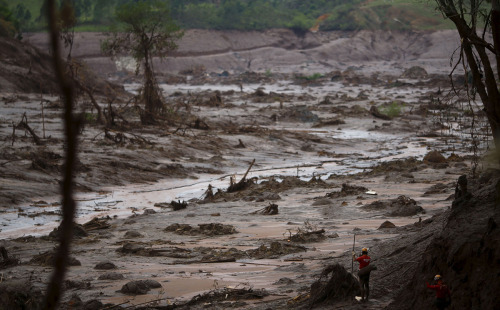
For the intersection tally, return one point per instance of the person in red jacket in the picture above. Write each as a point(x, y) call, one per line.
point(364, 278)
point(443, 294)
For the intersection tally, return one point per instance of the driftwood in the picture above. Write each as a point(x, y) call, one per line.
point(234, 187)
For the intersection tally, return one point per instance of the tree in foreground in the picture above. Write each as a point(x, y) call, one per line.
point(72, 125)
point(144, 30)
point(477, 51)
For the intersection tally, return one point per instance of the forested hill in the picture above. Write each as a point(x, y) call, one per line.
point(253, 14)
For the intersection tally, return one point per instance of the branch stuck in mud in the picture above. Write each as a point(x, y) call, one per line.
point(234, 187)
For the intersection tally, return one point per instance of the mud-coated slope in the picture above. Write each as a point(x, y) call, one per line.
point(23, 68)
point(281, 50)
point(26, 69)
point(466, 253)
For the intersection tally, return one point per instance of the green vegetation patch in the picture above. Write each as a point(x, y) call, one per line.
point(392, 109)
point(95, 15)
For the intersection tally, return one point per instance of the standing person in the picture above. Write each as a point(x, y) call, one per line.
point(364, 276)
point(443, 294)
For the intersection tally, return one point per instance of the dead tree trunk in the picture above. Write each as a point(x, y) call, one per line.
point(151, 95)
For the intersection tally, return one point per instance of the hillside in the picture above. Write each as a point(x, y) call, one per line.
point(27, 69)
point(281, 50)
point(257, 15)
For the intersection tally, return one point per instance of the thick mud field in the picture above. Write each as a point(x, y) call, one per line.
point(253, 185)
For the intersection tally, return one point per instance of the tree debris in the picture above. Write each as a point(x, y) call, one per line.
point(271, 209)
point(178, 205)
point(234, 187)
point(23, 124)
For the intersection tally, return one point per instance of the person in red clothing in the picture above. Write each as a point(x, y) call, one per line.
point(364, 277)
point(443, 294)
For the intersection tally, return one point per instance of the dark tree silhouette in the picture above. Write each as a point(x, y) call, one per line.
point(71, 129)
point(475, 48)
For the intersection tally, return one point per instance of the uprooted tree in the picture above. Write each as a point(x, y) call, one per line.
point(144, 29)
point(477, 51)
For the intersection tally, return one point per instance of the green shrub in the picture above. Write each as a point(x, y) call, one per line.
point(393, 109)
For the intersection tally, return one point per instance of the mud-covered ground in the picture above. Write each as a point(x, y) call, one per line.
point(326, 163)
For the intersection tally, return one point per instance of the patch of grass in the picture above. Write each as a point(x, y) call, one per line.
point(393, 109)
